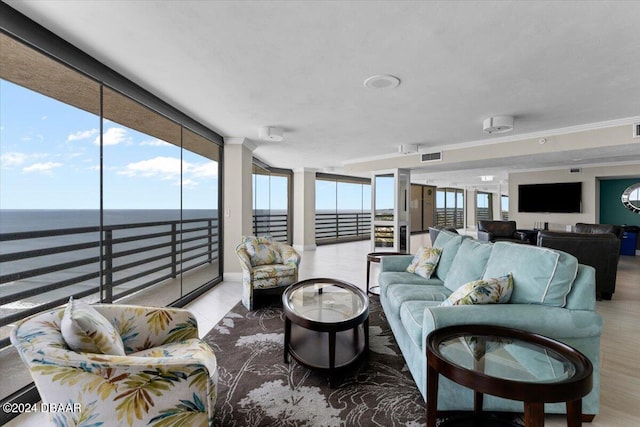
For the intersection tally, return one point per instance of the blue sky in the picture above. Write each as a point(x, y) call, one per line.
point(50, 159)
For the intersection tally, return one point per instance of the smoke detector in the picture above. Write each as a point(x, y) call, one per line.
point(271, 133)
point(383, 81)
point(498, 124)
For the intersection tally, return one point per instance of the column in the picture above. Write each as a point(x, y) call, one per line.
point(304, 209)
point(238, 207)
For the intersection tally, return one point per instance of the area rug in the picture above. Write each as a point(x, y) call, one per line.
point(256, 387)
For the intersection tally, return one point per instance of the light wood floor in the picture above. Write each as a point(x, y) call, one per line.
point(620, 371)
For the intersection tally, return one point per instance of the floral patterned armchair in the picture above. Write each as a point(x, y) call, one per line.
point(266, 264)
point(166, 377)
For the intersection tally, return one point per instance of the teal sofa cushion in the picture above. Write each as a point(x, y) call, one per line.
point(399, 293)
point(540, 275)
point(469, 263)
point(412, 316)
point(449, 243)
point(387, 277)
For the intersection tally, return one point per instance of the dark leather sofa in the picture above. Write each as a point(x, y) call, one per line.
point(501, 231)
point(599, 250)
point(582, 227)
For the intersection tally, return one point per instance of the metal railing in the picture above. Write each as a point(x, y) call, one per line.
point(110, 262)
point(274, 225)
point(342, 226)
point(450, 217)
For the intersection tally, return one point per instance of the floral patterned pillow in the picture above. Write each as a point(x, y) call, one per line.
point(260, 251)
point(86, 330)
point(484, 291)
point(425, 261)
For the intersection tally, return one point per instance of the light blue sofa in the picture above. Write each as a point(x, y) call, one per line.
point(553, 295)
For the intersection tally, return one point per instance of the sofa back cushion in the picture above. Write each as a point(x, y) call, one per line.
point(469, 263)
point(449, 243)
point(540, 275)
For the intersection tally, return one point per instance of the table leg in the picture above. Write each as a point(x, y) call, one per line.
point(432, 396)
point(332, 358)
point(368, 274)
point(477, 402)
point(574, 413)
point(287, 338)
point(533, 414)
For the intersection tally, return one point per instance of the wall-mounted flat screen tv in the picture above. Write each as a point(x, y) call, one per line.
point(560, 197)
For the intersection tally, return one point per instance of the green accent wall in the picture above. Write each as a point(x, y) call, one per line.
point(611, 209)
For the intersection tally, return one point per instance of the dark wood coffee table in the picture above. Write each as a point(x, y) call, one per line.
point(501, 362)
point(326, 324)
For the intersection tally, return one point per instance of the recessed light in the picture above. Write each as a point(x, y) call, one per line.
point(383, 81)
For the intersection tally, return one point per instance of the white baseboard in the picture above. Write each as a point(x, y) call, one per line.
point(232, 277)
point(304, 247)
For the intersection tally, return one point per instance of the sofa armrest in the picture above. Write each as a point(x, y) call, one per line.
point(395, 262)
point(485, 236)
point(554, 322)
point(145, 327)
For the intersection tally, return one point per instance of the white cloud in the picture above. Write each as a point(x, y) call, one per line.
point(82, 134)
point(46, 167)
point(189, 183)
point(202, 170)
point(8, 160)
point(155, 143)
point(113, 136)
point(164, 167)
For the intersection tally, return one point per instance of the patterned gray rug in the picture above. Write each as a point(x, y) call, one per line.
point(256, 387)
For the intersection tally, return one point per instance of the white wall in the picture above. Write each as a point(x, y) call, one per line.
point(590, 194)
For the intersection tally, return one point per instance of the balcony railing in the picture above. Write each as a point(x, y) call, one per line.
point(450, 217)
point(342, 226)
point(274, 225)
point(109, 262)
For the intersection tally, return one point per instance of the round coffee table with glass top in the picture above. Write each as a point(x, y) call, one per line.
point(508, 363)
point(326, 324)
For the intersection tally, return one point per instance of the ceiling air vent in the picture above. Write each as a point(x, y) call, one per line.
point(431, 157)
point(636, 130)
point(575, 170)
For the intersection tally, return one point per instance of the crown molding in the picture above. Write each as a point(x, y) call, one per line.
point(247, 143)
point(503, 139)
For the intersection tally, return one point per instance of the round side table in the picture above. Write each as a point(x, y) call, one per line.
point(375, 257)
point(508, 363)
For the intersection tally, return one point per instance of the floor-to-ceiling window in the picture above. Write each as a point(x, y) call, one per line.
point(343, 208)
point(101, 197)
point(271, 202)
point(450, 207)
point(504, 207)
point(484, 203)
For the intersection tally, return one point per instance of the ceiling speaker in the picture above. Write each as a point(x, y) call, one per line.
point(498, 124)
point(270, 133)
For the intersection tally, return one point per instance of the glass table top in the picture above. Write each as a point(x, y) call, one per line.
point(507, 358)
point(326, 302)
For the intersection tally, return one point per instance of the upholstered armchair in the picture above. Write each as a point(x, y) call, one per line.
point(495, 231)
point(157, 372)
point(266, 265)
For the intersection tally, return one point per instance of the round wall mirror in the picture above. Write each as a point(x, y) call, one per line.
point(631, 198)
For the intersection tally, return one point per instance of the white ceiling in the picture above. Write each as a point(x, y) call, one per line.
point(238, 65)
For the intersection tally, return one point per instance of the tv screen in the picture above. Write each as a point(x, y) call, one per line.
point(561, 197)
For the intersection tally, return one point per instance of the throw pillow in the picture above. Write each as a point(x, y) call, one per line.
point(486, 291)
point(425, 261)
point(86, 330)
point(260, 251)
